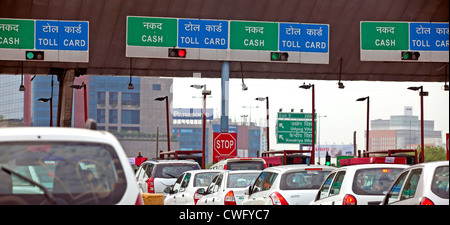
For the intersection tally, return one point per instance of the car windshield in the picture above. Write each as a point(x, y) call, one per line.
point(374, 181)
point(303, 180)
point(245, 165)
point(173, 170)
point(439, 186)
point(204, 179)
point(241, 180)
point(75, 173)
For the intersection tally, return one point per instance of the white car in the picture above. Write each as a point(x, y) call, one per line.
point(184, 191)
point(421, 184)
point(228, 187)
point(364, 184)
point(40, 165)
point(287, 185)
point(154, 176)
point(240, 164)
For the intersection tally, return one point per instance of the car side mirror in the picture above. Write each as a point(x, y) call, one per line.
point(201, 191)
point(248, 191)
point(168, 190)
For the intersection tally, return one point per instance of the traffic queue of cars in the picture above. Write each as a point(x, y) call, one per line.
point(301, 184)
point(73, 166)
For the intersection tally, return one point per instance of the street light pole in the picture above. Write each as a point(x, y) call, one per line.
point(167, 118)
point(204, 93)
point(422, 142)
point(304, 86)
point(367, 121)
point(267, 109)
point(83, 85)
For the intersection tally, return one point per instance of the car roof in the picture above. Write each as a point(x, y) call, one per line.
point(241, 171)
point(431, 164)
point(297, 167)
point(376, 165)
point(170, 161)
point(54, 134)
point(202, 171)
point(242, 159)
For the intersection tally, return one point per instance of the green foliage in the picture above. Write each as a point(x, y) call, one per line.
point(438, 153)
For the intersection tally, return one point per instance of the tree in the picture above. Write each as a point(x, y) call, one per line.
point(435, 153)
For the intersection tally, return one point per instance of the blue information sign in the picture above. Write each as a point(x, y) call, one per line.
point(47, 35)
point(210, 34)
point(296, 37)
point(62, 35)
point(74, 35)
point(429, 36)
point(290, 37)
point(315, 38)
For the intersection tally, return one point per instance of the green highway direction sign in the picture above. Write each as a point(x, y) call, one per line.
point(295, 126)
point(223, 40)
point(390, 41)
point(282, 115)
point(294, 138)
point(54, 40)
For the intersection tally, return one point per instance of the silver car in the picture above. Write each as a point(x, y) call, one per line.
point(421, 184)
point(156, 175)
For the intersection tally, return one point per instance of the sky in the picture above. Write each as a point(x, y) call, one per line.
point(339, 112)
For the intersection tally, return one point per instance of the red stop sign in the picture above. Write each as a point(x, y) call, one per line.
point(224, 145)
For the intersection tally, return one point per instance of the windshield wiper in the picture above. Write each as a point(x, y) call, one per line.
point(171, 175)
point(47, 194)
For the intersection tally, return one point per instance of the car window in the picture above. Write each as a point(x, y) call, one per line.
point(439, 185)
point(149, 170)
point(374, 181)
point(218, 184)
point(241, 180)
point(211, 185)
point(411, 184)
point(203, 179)
point(323, 192)
point(303, 180)
point(337, 184)
point(394, 193)
point(264, 181)
point(177, 185)
point(245, 165)
point(76, 173)
point(172, 170)
point(185, 183)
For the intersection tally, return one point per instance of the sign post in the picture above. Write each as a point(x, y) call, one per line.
point(224, 145)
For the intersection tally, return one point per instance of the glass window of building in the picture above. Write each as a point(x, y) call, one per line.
point(157, 87)
point(101, 98)
point(101, 116)
point(113, 116)
point(113, 98)
point(131, 99)
point(130, 116)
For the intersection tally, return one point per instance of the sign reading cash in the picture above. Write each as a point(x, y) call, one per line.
point(399, 41)
point(223, 40)
point(60, 41)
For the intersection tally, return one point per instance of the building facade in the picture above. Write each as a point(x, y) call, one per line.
point(402, 132)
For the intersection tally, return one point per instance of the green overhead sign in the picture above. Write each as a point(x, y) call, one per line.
point(149, 31)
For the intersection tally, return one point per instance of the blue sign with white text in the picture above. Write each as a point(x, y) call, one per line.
point(290, 37)
point(296, 37)
point(74, 35)
point(210, 34)
point(315, 38)
point(47, 35)
point(62, 35)
point(429, 36)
